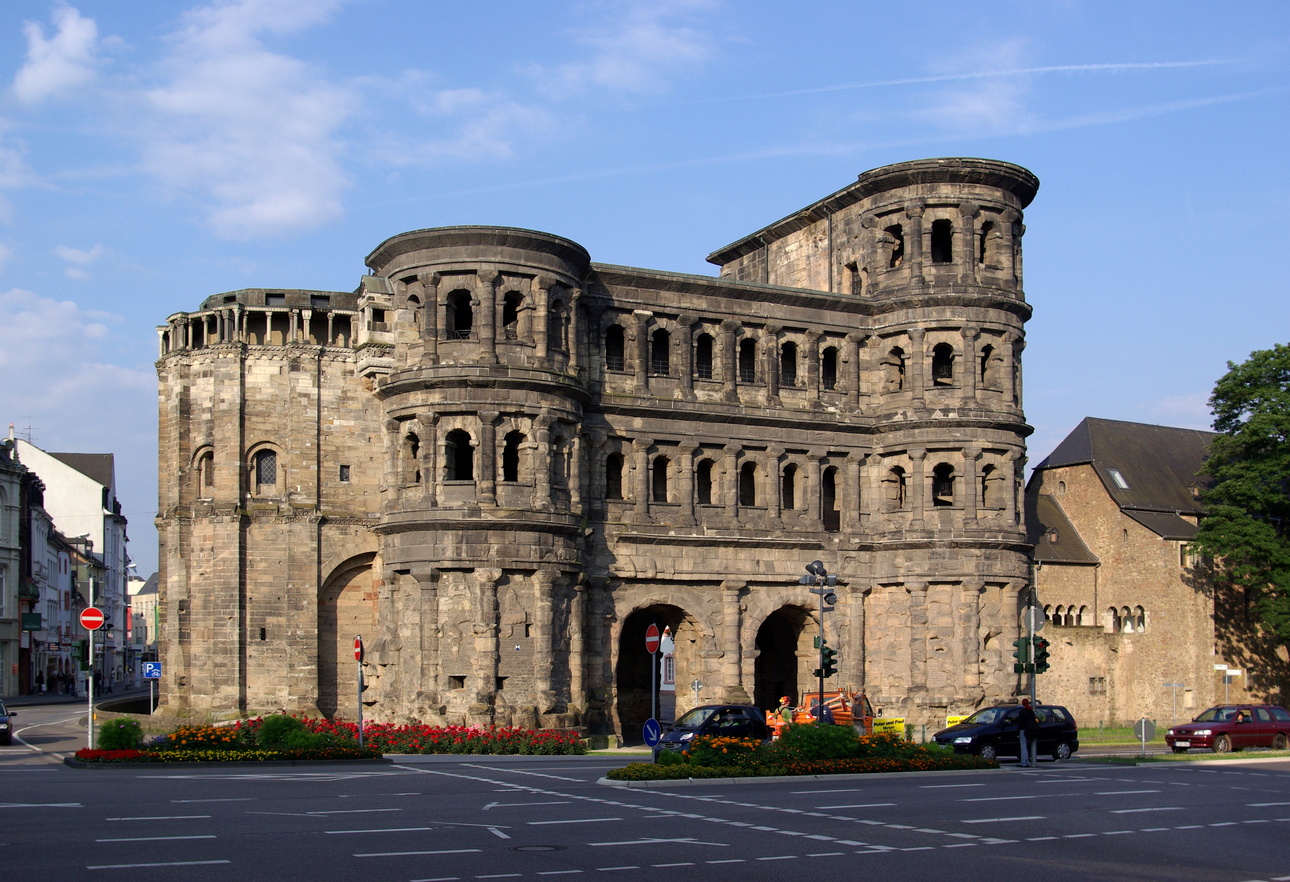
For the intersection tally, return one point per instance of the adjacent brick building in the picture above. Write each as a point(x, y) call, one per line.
point(498, 462)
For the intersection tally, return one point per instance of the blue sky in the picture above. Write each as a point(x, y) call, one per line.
point(153, 154)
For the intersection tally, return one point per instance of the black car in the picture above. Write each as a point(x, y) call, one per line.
point(992, 732)
point(727, 720)
point(6, 724)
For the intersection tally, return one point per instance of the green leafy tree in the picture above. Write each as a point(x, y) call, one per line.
point(1246, 531)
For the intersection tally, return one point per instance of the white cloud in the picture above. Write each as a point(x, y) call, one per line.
point(249, 132)
point(985, 103)
point(638, 50)
point(1185, 411)
point(60, 64)
point(77, 256)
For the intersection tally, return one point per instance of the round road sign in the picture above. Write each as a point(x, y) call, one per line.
point(358, 649)
point(651, 639)
point(92, 618)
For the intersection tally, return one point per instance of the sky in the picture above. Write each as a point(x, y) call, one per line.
point(155, 153)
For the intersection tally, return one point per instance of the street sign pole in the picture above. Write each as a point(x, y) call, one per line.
point(358, 657)
point(89, 691)
point(651, 646)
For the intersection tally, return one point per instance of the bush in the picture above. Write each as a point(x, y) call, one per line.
point(803, 742)
point(281, 732)
point(119, 735)
point(713, 750)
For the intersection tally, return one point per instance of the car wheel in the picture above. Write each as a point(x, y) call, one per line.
point(1062, 751)
point(987, 751)
point(1222, 744)
point(1279, 742)
point(1180, 750)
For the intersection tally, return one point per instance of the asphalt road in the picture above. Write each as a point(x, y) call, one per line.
point(538, 818)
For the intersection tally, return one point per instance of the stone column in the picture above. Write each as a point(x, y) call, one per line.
point(917, 636)
point(971, 502)
point(489, 279)
point(914, 241)
point(578, 647)
point(730, 466)
point(544, 640)
point(542, 500)
point(968, 656)
point(775, 482)
point(968, 212)
point(853, 497)
point(917, 366)
point(576, 341)
point(685, 349)
point(430, 311)
point(484, 660)
point(731, 669)
point(970, 370)
point(685, 481)
point(429, 465)
point(486, 475)
point(852, 654)
point(542, 318)
point(640, 347)
point(392, 477)
point(815, 491)
point(641, 478)
point(1008, 246)
point(811, 342)
point(920, 488)
point(596, 473)
point(729, 360)
point(576, 454)
point(770, 357)
point(857, 358)
point(428, 688)
point(1009, 368)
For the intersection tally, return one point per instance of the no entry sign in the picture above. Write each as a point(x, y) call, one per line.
point(651, 639)
point(92, 618)
point(358, 649)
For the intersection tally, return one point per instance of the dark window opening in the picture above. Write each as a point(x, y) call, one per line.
point(557, 323)
point(987, 488)
point(894, 369)
point(455, 682)
point(614, 348)
point(344, 474)
point(703, 482)
point(986, 375)
point(829, 368)
point(660, 361)
point(788, 364)
point(788, 488)
point(896, 495)
point(499, 683)
point(748, 361)
point(459, 458)
point(829, 500)
point(659, 478)
point(461, 318)
point(511, 456)
point(511, 304)
point(614, 476)
point(895, 241)
point(748, 484)
point(942, 241)
point(266, 467)
point(943, 485)
point(412, 459)
point(264, 634)
point(983, 242)
point(855, 278)
point(942, 365)
point(703, 357)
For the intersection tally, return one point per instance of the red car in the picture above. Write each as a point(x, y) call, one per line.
point(1233, 727)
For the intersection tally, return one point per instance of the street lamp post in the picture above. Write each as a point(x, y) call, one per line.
point(822, 586)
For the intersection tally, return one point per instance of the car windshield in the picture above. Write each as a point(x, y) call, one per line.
point(987, 715)
point(1217, 715)
point(693, 719)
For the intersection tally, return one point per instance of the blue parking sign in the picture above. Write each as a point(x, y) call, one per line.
point(152, 670)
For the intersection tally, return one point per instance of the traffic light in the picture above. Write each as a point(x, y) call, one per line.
point(1021, 654)
point(1041, 655)
point(829, 660)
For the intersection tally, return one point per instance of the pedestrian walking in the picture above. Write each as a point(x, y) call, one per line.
point(1028, 734)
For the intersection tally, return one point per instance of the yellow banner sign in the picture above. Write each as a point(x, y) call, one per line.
point(954, 719)
point(889, 726)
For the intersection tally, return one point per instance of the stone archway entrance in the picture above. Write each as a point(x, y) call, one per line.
point(347, 606)
point(632, 680)
point(784, 653)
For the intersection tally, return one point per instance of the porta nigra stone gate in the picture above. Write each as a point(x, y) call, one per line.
point(498, 462)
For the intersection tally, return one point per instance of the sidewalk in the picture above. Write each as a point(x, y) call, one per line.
point(59, 698)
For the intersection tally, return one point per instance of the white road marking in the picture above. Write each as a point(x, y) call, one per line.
point(169, 864)
point(686, 841)
point(945, 786)
point(1163, 808)
point(1005, 820)
point(493, 805)
point(859, 805)
point(161, 818)
point(384, 830)
point(415, 853)
point(1122, 792)
point(40, 805)
point(156, 838)
point(574, 821)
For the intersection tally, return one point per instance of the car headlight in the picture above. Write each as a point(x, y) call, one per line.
point(686, 736)
point(1203, 732)
point(963, 739)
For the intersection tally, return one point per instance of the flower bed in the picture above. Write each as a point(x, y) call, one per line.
point(803, 750)
point(293, 738)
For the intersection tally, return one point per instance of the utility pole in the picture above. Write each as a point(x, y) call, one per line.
point(823, 586)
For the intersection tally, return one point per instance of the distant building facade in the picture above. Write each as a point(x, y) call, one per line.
point(499, 462)
point(12, 475)
point(1137, 628)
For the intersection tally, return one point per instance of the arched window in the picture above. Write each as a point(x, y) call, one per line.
point(511, 304)
point(614, 476)
point(205, 474)
point(829, 500)
point(410, 456)
point(893, 369)
point(561, 453)
point(942, 241)
point(1113, 620)
point(614, 348)
point(942, 365)
point(264, 471)
point(986, 376)
point(987, 479)
point(461, 316)
point(748, 484)
point(788, 488)
point(703, 482)
point(459, 458)
point(895, 242)
point(747, 361)
point(788, 364)
point(1084, 617)
point(659, 479)
point(829, 368)
point(983, 252)
point(703, 357)
point(1126, 621)
point(557, 326)
point(943, 484)
point(1139, 619)
point(511, 456)
point(895, 486)
point(660, 344)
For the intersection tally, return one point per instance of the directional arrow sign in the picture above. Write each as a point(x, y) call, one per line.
point(92, 618)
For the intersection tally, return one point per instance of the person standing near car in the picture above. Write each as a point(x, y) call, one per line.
point(1028, 734)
